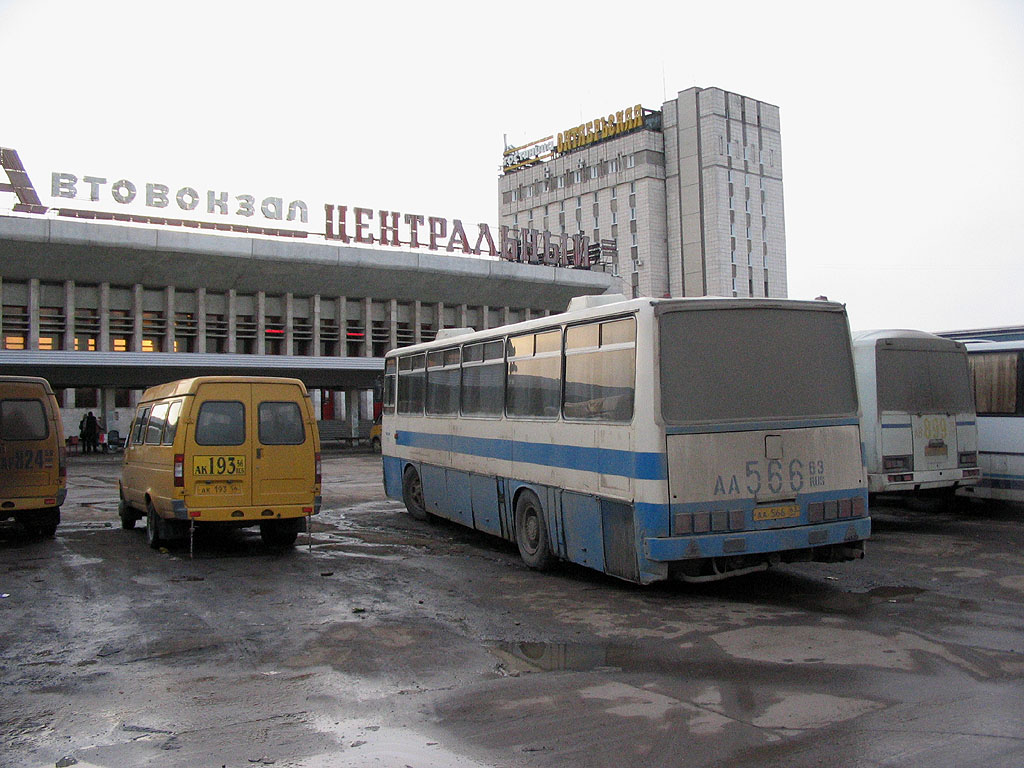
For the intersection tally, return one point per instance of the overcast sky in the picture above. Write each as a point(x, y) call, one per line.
point(902, 122)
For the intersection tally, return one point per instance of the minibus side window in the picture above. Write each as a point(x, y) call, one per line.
point(155, 428)
point(23, 420)
point(140, 421)
point(281, 424)
point(171, 429)
point(221, 422)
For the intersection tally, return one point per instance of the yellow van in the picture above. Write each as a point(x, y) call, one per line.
point(226, 450)
point(33, 457)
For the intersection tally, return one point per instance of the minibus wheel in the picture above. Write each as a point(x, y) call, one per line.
point(154, 533)
point(532, 533)
point(127, 515)
point(281, 533)
point(48, 522)
point(412, 494)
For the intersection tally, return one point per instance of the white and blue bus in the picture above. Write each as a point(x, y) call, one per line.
point(917, 412)
point(997, 372)
point(648, 439)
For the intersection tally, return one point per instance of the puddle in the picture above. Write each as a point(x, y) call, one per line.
point(572, 657)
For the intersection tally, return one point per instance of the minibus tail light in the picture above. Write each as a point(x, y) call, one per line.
point(319, 473)
point(62, 462)
point(179, 470)
point(968, 459)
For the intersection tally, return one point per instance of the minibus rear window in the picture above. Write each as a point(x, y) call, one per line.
point(221, 422)
point(281, 424)
point(23, 420)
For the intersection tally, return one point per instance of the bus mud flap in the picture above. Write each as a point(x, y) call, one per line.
point(619, 540)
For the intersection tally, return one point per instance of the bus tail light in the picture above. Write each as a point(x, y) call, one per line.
point(968, 459)
point(179, 470)
point(897, 463)
point(319, 467)
point(62, 462)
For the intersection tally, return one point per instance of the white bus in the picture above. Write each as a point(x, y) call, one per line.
point(648, 439)
point(917, 411)
point(997, 371)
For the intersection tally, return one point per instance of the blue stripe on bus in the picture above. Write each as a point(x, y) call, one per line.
point(966, 423)
point(760, 425)
point(896, 426)
point(607, 461)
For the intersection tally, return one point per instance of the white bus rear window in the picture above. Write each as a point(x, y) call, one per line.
point(923, 380)
point(23, 420)
point(755, 364)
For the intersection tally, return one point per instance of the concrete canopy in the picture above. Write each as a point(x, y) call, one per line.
point(55, 250)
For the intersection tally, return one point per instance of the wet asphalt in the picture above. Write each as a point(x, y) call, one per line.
point(382, 641)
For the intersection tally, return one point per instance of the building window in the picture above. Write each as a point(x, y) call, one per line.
point(613, 193)
point(630, 161)
point(633, 239)
point(593, 171)
point(615, 218)
point(120, 324)
point(560, 181)
point(577, 176)
point(515, 195)
point(632, 187)
point(613, 165)
point(632, 214)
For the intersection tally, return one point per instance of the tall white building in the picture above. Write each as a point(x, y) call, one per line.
point(691, 195)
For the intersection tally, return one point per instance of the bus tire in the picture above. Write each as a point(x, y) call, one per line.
point(281, 533)
point(46, 524)
point(154, 530)
point(412, 494)
point(532, 533)
point(375, 444)
point(127, 515)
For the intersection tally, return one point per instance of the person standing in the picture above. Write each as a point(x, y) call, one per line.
point(91, 433)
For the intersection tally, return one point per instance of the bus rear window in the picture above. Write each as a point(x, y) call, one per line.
point(23, 420)
point(755, 364)
point(922, 380)
point(281, 424)
point(221, 422)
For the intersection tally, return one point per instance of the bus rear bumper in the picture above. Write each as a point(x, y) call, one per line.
point(777, 540)
point(900, 482)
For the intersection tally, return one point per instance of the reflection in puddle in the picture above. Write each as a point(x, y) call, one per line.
point(574, 657)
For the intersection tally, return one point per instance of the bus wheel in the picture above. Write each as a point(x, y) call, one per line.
point(532, 533)
point(412, 494)
point(48, 522)
point(154, 534)
point(281, 533)
point(375, 444)
point(127, 515)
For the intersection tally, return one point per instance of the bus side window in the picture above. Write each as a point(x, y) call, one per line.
point(155, 428)
point(995, 382)
point(390, 384)
point(600, 371)
point(171, 428)
point(411, 383)
point(534, 375)
point(443, 382)
point(140, 422)
point(483, 379)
